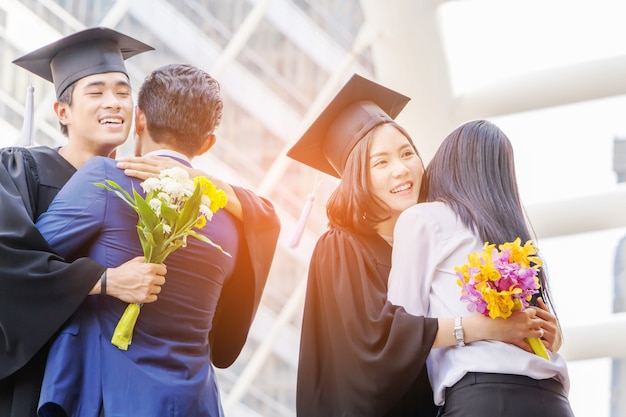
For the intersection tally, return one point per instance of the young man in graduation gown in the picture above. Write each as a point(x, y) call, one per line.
point(167, 369)
point(38, 290)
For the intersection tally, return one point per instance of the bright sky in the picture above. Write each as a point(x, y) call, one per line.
point(560, 152)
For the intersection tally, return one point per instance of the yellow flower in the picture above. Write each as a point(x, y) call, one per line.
point(523, 255)
point(217, 198)
point(463, 270)
point(200, 223)
point(489, 273)
point(499, 303)
point(475, 260)
point(206, 183)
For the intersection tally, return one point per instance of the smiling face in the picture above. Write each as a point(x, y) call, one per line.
point(100, 116)
point(396, 170)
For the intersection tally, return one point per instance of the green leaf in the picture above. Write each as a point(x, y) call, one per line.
point(169, 214)
point(171, 247)
point(205, 239)
point(158, 238)
point(119, 191)
point(146, 215)
point(189, 214)
point(147, 249)
point(149, 237)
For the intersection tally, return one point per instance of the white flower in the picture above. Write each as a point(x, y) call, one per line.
point(189, 188)
point(206, 212)
point(155, 205)
point(177, 174)
point(151, 184)
point(167, 229)
point(165, 198)
point(172, 187)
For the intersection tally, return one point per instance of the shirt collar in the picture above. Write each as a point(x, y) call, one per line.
point(168, 152)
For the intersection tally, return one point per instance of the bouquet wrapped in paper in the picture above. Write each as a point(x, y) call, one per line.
point(174, 207)
point(496, 283)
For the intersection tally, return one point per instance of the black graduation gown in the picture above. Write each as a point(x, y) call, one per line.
point(38, 292)
point(359, 354)
point(242, 293)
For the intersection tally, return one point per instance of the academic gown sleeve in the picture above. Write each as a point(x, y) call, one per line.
point(242, 292)
point(38, 291)
point(359, 354)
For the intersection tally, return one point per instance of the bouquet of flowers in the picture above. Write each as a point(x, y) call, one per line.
point(173, 208)
point(496, 283)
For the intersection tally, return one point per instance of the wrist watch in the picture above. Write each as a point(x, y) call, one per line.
point(458, 332)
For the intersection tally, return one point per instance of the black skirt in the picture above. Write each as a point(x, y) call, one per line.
point(504, 395)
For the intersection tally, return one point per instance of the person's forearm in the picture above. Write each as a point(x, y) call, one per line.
point(513, 330)
point(472, 331)
point(133, 281)
point(445, 335)
point(143, 168)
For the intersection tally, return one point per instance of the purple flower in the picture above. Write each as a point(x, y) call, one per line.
point(496, 280)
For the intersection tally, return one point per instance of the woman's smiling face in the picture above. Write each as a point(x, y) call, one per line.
point(396, 170)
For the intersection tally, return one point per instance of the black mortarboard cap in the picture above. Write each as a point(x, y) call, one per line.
point(358, 107)
point(90, 51)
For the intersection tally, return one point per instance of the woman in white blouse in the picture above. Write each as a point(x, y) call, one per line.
point(472, 198)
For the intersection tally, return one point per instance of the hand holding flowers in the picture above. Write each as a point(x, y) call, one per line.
point(173, 208)
point(497, 283)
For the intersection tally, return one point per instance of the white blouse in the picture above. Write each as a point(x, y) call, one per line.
point(429, 241)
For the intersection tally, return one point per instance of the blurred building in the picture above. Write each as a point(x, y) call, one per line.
point(279, 62)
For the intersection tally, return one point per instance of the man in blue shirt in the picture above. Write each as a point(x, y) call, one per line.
point(203, 313)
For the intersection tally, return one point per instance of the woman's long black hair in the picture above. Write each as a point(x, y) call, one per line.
point(473, 172)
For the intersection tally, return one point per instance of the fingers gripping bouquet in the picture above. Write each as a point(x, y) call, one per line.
point(174, 207)
point(497, 283)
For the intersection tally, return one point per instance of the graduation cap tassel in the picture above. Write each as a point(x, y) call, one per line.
point(26, 138)
point(306, 211)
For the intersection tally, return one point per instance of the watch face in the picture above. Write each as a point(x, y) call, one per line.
point(458, 334)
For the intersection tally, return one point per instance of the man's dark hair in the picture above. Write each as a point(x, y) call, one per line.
point(182, 105)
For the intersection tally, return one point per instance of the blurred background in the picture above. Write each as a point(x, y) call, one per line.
point(550, 73)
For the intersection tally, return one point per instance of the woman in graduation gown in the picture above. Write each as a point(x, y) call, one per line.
point(359, 354)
